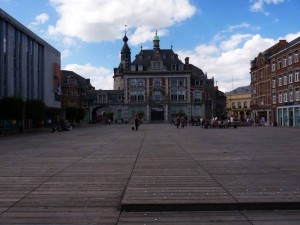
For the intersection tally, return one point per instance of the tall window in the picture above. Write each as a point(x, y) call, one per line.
point(137, 89)
point(284, 79)
point(297, 95)
point(273, 66)
point(290, 61)
point(239, 105)
point(285, 97)
point(157, 82)
point(274, 98)
point(296, 59)
point(280, 80)
point(273, 82)
point(279, 64)
point(290, 77)
point(291, 95)
point(284, 61)
point(178, 89)
point(197, 96)
point(245, 104)
point(296, 75)
point(157, 95)
point(280, 97)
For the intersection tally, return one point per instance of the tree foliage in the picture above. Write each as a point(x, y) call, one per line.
point(74, 114)
point(34, 110)
point(11, 108)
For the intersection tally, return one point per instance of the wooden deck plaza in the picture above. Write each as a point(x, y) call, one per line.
point(109, 174)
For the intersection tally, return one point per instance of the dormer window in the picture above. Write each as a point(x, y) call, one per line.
point(157, 65)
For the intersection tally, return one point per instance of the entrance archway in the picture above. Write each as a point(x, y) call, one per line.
point(157, 113)
point(102, 114)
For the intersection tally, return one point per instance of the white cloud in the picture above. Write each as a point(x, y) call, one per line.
point(40, 19)
point(238, 26)
point(258, 5)
point(102, 20)
point(101, 78)
point(228, 61)
point(65, 53)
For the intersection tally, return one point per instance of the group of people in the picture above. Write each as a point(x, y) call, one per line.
point(180, 121)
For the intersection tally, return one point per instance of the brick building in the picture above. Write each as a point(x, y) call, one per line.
point(275, 84)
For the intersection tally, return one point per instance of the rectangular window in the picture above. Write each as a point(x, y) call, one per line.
point(290, 77)
point(157, 82)
point(284, 79)
point(284, 62)
point(280, 98)
point(291, 95)
point(273, 66)
point(285, 99)
point(280, 80)
point(297, 95)
point(296, 59)
point(296, 75)
point(273, 82)
point(274, 98)
point(290, 61)
point(197, 96)
point(279, 64)
point(157, 95)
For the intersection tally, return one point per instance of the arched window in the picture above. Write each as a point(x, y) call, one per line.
point(233, 105)
point(245, 104)
point(239, 105)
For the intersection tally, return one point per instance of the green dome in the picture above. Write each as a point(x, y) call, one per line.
point(156, 38)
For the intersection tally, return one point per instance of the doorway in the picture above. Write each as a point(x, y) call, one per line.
point(157, 113)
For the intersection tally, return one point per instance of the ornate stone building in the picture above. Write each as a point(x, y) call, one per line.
point(159, 85)
point(239, 103)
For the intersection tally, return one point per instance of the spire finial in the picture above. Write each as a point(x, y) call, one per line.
point(125, 28)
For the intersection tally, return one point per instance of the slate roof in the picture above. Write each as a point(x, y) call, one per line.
point(167, 56)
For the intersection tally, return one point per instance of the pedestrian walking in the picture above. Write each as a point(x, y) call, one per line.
point(136, 123)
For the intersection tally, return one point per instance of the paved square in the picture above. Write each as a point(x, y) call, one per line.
point(101, 174)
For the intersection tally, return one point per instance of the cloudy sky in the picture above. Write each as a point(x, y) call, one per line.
point(219, 36)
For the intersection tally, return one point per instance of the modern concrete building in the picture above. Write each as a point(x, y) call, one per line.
point(275, 84)
point(29, 66)
point(159, 85)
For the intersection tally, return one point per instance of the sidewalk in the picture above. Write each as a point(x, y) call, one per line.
point(157, 175)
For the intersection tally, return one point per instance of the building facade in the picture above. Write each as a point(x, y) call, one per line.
point(29, 66)
point(76, 91)
point(275, 84)
point(238, 103)
point(99, 105)
point(160, 86)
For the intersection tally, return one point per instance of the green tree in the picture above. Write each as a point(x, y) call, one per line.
point(71, 114)
point(74, 114)
point(35, 111)
point(80, 115)
point(11, 108)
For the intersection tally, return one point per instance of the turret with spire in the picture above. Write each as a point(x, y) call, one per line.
point(125, 54)
point(156, 42)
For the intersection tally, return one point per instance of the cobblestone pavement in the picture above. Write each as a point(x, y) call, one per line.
point(100, 174)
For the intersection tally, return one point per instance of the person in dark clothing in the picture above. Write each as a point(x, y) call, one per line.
point(136, 123)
